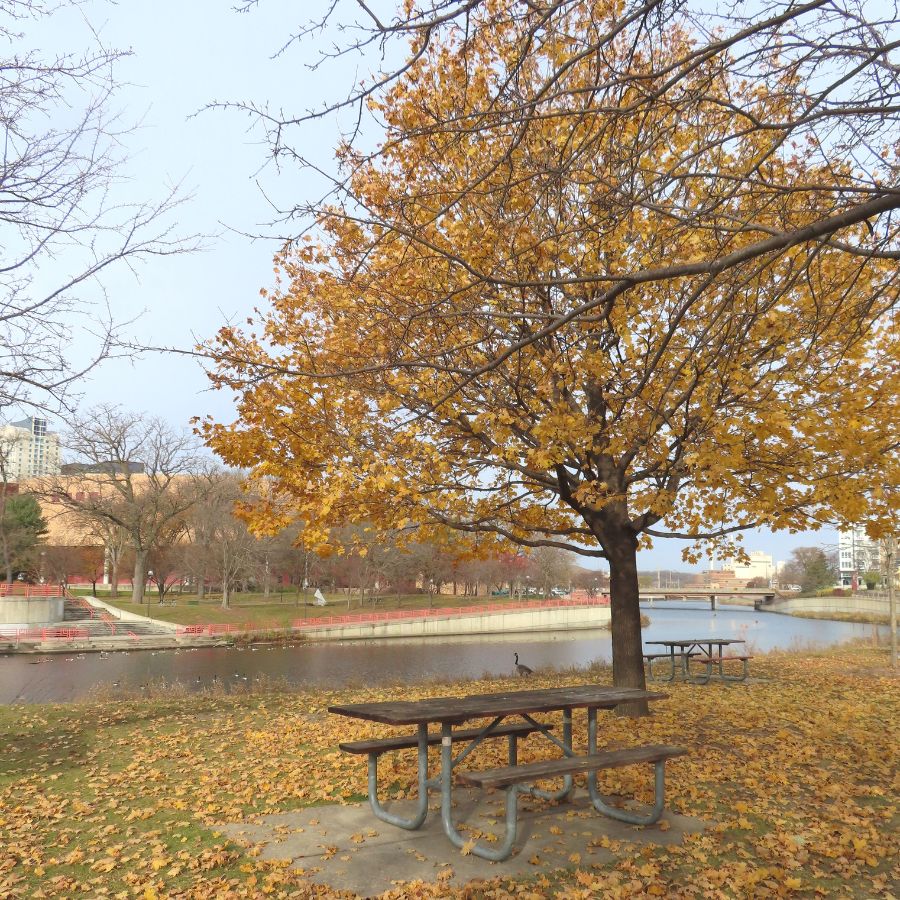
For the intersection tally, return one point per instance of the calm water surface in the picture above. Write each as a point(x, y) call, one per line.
point(72, 676)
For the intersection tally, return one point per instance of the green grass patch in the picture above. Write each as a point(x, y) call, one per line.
point(281, 610)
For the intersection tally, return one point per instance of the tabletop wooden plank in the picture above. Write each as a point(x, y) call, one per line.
point(688, 642)
point(477, 706)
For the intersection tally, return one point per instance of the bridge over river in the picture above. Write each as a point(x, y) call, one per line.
point(757, 596)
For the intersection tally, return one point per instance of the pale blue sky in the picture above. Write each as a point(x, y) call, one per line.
point(187, 55)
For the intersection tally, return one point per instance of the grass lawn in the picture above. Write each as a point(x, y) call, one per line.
point(861, 617)
point(797, 774)
point(281, 610)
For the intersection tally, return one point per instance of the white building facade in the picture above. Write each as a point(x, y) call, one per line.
point(28, 450)
point(760, 565)
point(857, 554)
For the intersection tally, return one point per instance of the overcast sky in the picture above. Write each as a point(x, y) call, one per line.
point(185, 56)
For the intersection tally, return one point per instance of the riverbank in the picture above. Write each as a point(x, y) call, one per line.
point(858, 607)
point(281, 610)
point(508, 619)
point(118, 629)
point(862, 618)
point(793, 772)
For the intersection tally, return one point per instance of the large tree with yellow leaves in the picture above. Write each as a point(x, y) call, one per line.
point(607, 278)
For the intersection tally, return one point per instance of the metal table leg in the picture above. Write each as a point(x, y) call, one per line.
point(612, 811)
point(495, 854)
point(411, 824)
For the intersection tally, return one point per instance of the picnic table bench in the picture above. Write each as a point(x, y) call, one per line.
point(514, 778)
point(650, 657)
point(376, 747)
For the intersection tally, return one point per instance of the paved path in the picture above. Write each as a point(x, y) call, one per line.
point(347, 848)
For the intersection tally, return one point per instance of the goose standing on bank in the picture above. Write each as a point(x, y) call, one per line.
point(521, 668)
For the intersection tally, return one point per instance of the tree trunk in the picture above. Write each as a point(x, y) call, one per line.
point(226, 594)
point(113, 558)
point(140, 577)
point(628, 659)
point(4, 538)
point(7, 560)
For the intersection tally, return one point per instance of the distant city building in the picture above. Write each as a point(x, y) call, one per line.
point(111, 467)
point(28, 450)
point(857, 554)
point(722, 580)
point(760, 565)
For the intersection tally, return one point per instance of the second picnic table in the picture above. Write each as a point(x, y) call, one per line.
point(515, 778)
point(707, 651)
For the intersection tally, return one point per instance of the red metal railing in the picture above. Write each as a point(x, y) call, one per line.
point(218, 628)
point(43, 634)
point(89, 608)
point(17, 589)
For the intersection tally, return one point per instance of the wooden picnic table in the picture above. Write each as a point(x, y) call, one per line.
point(449, 712)
point(707, 650)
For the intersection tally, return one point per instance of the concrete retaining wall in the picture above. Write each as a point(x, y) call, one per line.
point(856, 604)
point(557, 619)
point(26, 611)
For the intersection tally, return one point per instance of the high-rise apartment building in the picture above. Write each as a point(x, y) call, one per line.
point(28, 450)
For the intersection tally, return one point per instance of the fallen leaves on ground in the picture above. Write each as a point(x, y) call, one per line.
point(797, 772)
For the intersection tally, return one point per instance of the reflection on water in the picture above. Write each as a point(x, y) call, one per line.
point(72, 676)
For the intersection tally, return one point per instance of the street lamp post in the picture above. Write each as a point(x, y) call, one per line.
point(147, 592)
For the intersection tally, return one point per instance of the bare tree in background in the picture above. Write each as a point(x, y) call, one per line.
point(552, 567)
point(200, 553)
point(285, 555)
point(62, 222)
point(112, 537)
point(221, 546)
point(61, 563)
point(137, 474)
point(166, 561)
point(4, 496)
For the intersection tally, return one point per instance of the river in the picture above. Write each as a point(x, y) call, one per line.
point(69, 676)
